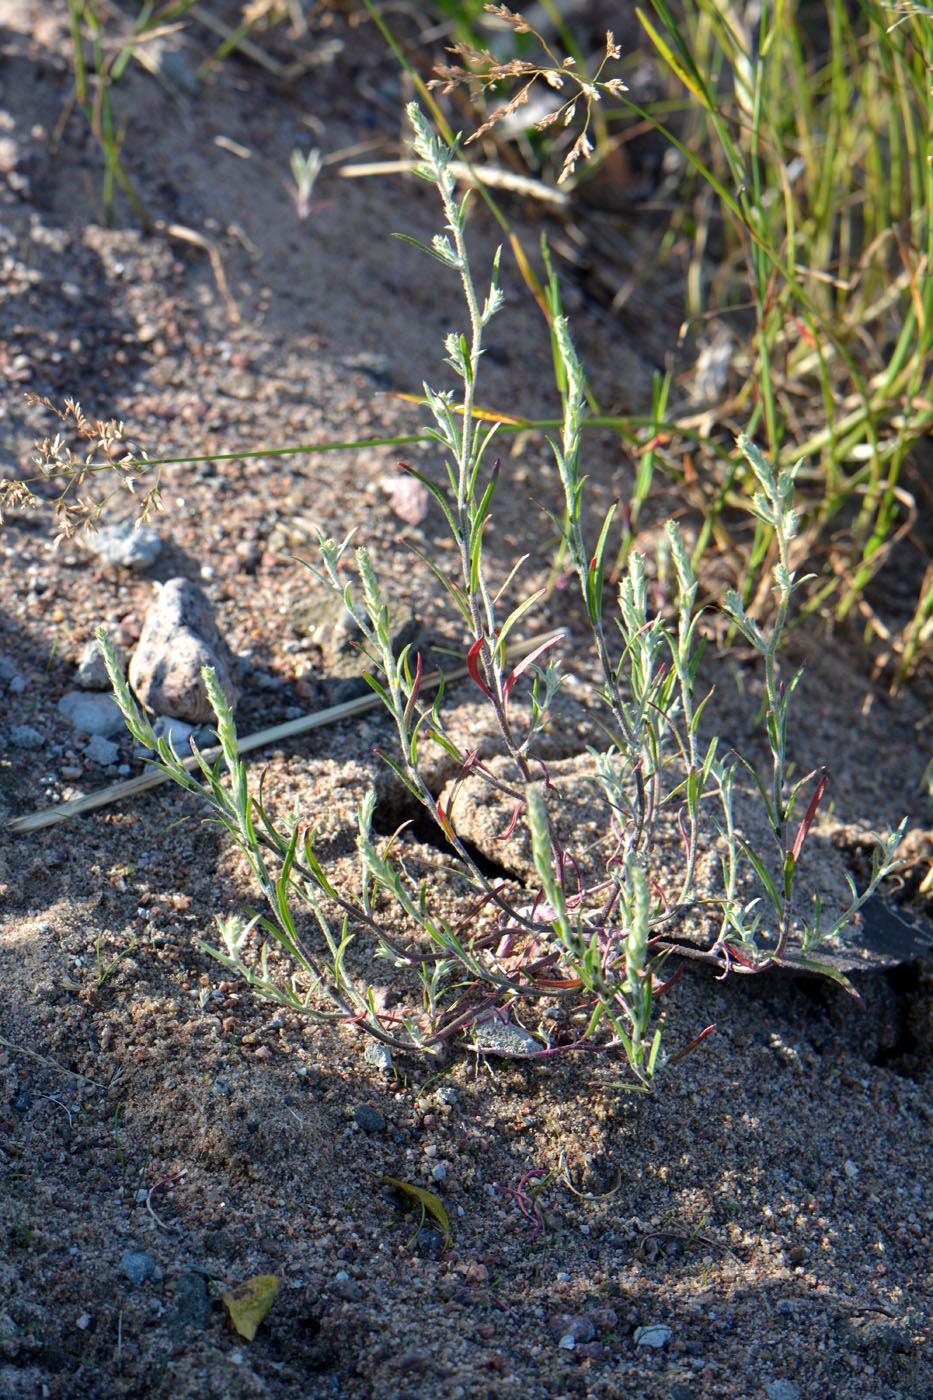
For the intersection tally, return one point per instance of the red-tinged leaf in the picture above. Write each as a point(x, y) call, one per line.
point(444, 822)
point(688, 1049)
point(805, 331)
point(659, 987)
point(512, 824)
point(541, 764)
point(415, 688)
point(527, 661)
point(472, 662)
point(808, 816)
point(740, 958)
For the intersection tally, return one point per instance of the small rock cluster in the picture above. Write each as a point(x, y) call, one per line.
point(179, 636)
point(177, 639)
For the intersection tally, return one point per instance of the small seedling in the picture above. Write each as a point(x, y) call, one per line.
point(305, 170)
point(103, 972)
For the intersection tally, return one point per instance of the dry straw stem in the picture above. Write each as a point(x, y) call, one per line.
point(492, 175)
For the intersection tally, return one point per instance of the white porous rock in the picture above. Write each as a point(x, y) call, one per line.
point(179, 636)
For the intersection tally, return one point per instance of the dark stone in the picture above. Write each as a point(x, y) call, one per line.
point(429, 1243)
point(369, 1119)
point(875, 1334)
point(576, 1325)
point(192, 1303)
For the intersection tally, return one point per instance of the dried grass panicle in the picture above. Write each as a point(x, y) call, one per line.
point(106, 452)
point(480, 71)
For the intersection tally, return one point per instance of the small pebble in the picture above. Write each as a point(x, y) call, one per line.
point(24, 736)
point(496, 1037)
point(192, 1302)
point(653, 1335)
point(369, 1119)
point(429, 1242)
point(101, 750)
point(138, 1267)
point(577, 1326)
point(378, 1055)
point(92, 714)
point(92, 672)
point(347, 1287)
point(125, 546)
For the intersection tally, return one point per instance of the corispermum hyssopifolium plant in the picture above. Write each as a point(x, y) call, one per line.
point(597, 949)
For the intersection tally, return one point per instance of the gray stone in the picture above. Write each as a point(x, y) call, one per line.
point(369, 1118)
point(378, 1055)
point(429, 1243)
point(17, 685)
point(24, 736)
point(176, 731)
point(92, 714)
point(781, 1390)
point(137, 1266)
point(654, 1334)
point(323, 619)
point(496, 1037)
point(127, 546)
point(347, 1287)
point(92, 673)
point(179, 636)
point(192, 1303)
point(101, 750)
point(167, 59)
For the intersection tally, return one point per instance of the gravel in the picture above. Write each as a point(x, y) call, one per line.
point(173, 1118)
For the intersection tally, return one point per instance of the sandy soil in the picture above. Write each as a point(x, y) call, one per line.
point(163, 1137)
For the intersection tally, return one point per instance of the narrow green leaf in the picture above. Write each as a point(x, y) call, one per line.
point(764, 876)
